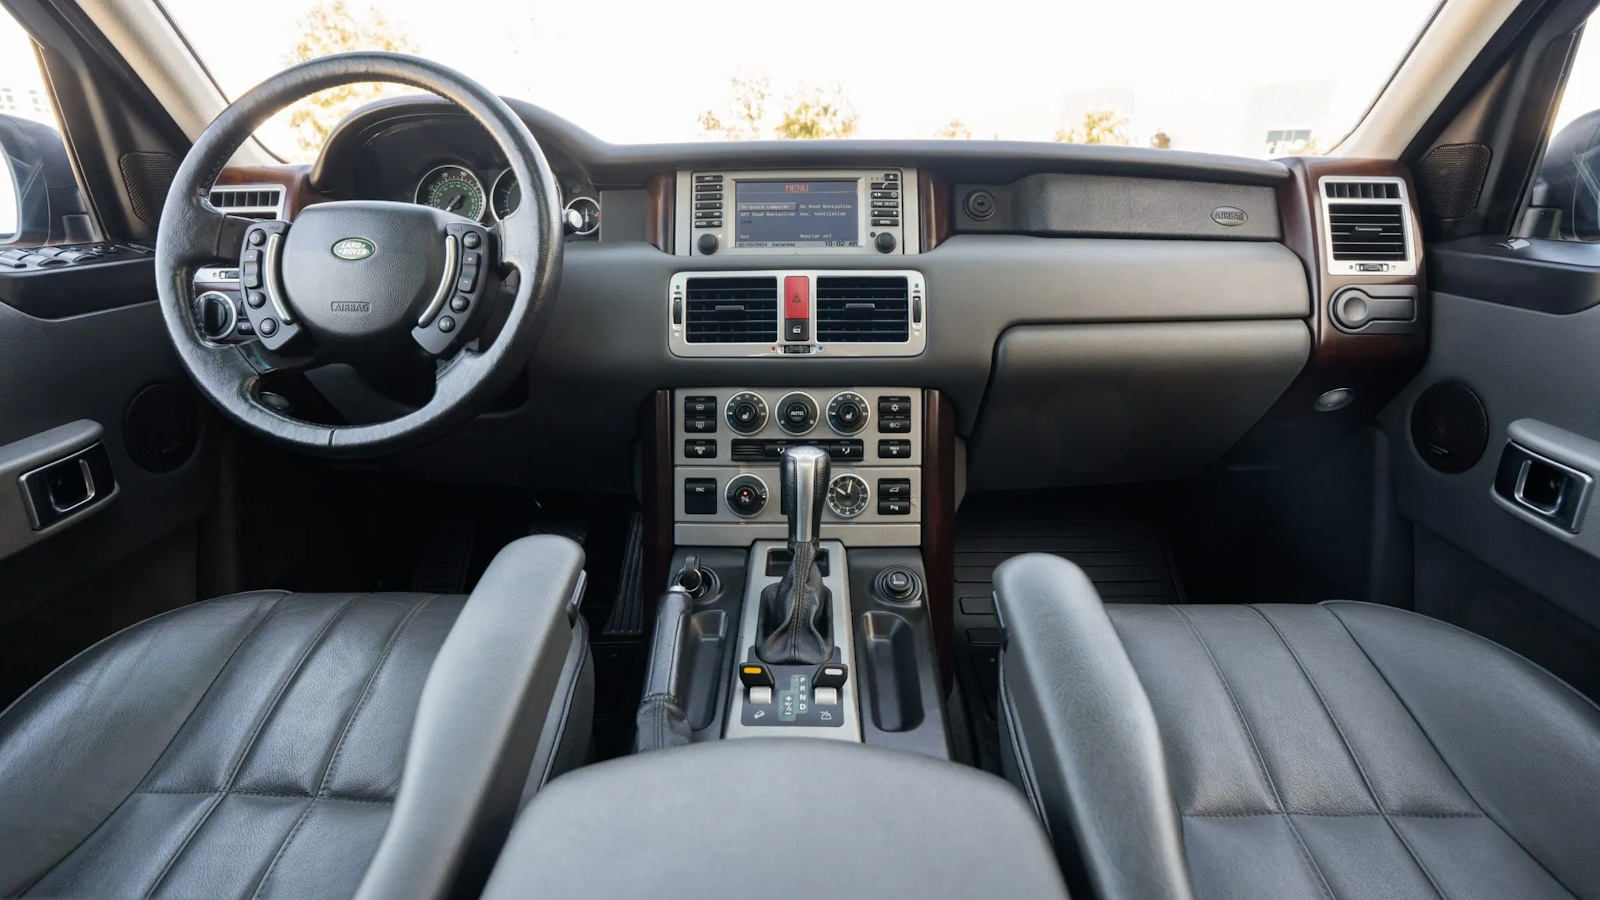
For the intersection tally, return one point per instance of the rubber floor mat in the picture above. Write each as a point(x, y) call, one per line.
point(1115, 536)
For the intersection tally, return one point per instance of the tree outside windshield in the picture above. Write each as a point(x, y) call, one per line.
point(1245, 77)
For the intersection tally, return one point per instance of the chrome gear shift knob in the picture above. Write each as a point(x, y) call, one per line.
point(805, 488)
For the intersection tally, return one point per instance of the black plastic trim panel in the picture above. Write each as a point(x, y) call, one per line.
point(615, 164)
point(1560, 277)
point(79, 288)
point(1117, 206)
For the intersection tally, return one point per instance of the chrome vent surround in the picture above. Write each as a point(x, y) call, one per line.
point(860, 309)
point(251, 201)
point(1366, 226)
point(758, 313)
point(731, 310)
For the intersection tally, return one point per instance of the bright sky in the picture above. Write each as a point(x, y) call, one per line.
point(1213, 75)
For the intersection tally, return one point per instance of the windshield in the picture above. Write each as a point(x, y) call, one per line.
point(1248, 77)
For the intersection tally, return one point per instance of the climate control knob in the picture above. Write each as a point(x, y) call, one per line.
point(847, 412)
point(747, 495)
point(746, 413)
point(797, 413)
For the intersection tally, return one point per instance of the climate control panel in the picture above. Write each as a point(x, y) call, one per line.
point(728, 443)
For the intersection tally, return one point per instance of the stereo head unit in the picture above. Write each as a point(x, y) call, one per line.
point(833, 211)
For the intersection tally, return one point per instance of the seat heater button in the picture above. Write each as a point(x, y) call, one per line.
point(825, 696)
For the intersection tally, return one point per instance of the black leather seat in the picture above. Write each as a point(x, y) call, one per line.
point(1343, 750)
point(262, 744)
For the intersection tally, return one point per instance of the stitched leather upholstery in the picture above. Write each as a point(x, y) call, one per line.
point(1344, 750)
point(246, 746)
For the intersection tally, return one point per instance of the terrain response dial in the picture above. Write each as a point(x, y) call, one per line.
point(747, 495)
point(847, 412)
point(746, 413)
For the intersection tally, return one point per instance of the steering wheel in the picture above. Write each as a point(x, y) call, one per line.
point(375, 284)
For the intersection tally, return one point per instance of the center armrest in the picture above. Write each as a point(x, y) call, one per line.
point(777, 818)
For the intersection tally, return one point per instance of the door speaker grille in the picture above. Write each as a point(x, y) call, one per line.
point(1449, 427)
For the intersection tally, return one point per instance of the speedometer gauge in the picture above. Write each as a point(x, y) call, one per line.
point(452, 189)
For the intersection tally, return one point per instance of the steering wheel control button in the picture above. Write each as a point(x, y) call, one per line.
point(894, 449)
point(471, 241)
point(269, 327)
point(847, 412)
point(797, 413)
point(755, 674)
point(700, 449)
point(255, 299)
point(447, 324)
point(460, 304)
point(700, 496)
point(746, 412)
point(747, 495)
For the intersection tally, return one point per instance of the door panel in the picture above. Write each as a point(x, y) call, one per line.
point(1525, 364)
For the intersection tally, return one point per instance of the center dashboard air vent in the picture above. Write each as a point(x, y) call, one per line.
point(863, 309)
point(731, 310)
point(797, 313)
point(1365, 222)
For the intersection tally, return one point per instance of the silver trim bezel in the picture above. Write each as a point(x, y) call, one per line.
point(277, 210)
point(837, 582)
point(1400, 269)
point(597, 213)
point(865, 487)
point(907, 233)
point(233, 314)
point(416, 193)
point(914, 345)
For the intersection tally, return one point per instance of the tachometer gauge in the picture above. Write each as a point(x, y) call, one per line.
point(847, 496)
point(452, 189)
point(506, 195)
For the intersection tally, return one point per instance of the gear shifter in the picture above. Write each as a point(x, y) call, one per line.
point(794, 612)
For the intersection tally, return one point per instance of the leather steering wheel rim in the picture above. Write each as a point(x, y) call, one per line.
point(193, 234)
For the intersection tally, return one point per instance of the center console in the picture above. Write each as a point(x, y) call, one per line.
point(797, 604)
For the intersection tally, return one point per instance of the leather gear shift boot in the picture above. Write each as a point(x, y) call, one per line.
point(794, 614)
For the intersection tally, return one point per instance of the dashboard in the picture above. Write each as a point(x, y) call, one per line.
point(1085, 314)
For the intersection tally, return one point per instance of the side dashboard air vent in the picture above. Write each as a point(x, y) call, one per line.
point(863, 309)
point(1361, 190)
point(731, 310)
point(1366, 225)
point(250, 201)
point(1367, 232)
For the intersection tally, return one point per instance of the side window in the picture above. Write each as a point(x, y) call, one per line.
point(39, 199)
point(1564, 200)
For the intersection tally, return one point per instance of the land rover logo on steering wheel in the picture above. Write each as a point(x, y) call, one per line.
point(353, 248)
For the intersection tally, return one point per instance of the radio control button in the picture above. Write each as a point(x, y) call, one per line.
point(708, 179)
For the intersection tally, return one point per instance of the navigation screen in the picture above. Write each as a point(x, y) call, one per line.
point(776, 214)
